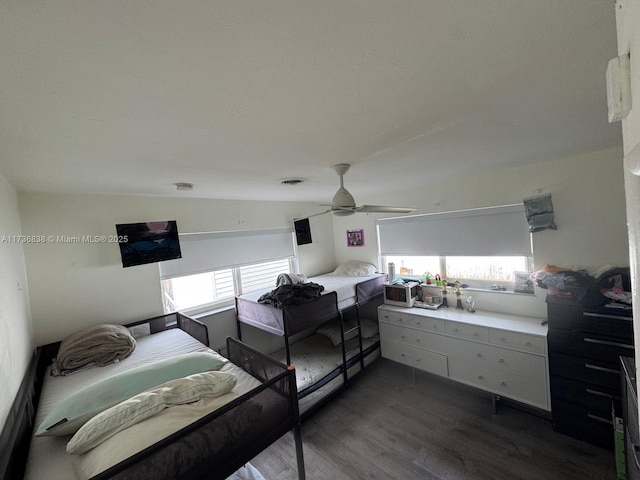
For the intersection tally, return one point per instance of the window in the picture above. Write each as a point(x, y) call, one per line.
point(480, 272)
point(216, 266)
point(480, 247)
point(204, 291)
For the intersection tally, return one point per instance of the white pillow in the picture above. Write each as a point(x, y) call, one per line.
point(368, 329)
point(355, 268)
point(290, 279)
point(332, 331)
point(146, 404)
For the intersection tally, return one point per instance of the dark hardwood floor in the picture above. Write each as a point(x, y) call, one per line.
point(385, 426)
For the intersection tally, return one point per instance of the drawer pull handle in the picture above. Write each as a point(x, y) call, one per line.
point(417, 322)
point(528, 344)
point(601, 394)
point(501, 360)
point(417, 339)
point(478, 355)
point(599, 419)
point(480, 377)
point(402, 337)
point(417, 359)
point(455, 329)
point(434, 326)
point(402, 354)
point(504, 384)
point(604, 315)
point(503, 339)
point(601, 369)
point(605, 342)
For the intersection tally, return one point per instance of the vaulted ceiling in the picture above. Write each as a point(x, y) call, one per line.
point(120, 96)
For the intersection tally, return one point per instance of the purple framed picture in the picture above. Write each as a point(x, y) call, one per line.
point(355, 238)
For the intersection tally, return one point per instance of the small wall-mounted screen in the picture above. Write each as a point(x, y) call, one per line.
point(148, 242)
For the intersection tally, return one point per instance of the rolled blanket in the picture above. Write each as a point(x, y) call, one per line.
point(99, 345)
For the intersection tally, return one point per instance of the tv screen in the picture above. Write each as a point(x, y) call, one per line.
point(148, 242)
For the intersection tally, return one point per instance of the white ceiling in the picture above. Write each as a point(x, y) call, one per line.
point(121, 96)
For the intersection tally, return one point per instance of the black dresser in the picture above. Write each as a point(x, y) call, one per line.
point(585, 346)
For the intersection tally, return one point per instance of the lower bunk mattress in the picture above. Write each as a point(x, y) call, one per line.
point(319, 363)
point(48, 458)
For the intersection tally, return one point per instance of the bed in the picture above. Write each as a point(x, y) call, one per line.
point(209, 436)
point(324, 338)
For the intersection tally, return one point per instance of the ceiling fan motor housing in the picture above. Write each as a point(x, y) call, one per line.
point(343, 199)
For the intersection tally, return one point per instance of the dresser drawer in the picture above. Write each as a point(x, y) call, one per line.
point(397, 318)
point(427, 324)
point(595, 372)
point(577, 342)
point(468, 331)
point(411, 320)
point(487, 356)
point(583, 423)
point(413, 337)
point(414, 357)
point(610, 323)
point(597, 399)
point(527, 390)
point(518, 341)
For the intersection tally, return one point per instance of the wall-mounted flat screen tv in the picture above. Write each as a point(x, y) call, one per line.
point(148, 242)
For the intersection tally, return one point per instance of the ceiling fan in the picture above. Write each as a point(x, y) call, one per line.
point(343, 203)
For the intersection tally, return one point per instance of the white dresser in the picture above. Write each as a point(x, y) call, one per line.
point(502, 354)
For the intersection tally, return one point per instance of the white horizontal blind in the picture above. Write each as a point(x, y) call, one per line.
point(263, 275)
point(493, 231)
point(203, 252)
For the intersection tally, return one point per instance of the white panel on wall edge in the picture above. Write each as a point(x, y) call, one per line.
point(619, 87)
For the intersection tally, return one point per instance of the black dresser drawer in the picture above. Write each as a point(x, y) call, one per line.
point(583, 424)
point(602, 348)
point(598, 400)
point(588, 371)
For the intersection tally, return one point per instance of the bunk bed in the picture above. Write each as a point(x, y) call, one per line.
point(329, 339)
point(200, 430)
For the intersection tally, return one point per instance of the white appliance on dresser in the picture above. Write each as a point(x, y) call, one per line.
point(499, 353)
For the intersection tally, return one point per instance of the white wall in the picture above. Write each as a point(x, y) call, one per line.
point(16, 332)
point(628, 25)
point(76, 285)
point(589, 204)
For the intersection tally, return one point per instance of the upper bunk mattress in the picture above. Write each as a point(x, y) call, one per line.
point(345, 289)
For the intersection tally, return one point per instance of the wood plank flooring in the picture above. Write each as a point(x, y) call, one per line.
point(386, 426)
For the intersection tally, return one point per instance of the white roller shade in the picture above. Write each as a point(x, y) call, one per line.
point(494, 231)
point(203, 252)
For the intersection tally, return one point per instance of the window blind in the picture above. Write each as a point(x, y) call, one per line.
point(493, 231)
point(204, 252)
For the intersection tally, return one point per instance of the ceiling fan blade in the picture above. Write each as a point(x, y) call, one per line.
point(312, 215)
point(384, 209)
